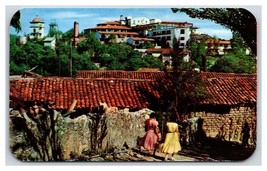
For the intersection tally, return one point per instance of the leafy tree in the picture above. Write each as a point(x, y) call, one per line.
point(91, 46)
point(63, 65)
point(14, 49)
point(238, 43)
point(147, 45)
point(82, 62)
point(135, 63)
point(16, 69)
point(15, 21)
point(32, 52)
point(153, 62)
point(68, 35)
point(198, 49)
point(187, 86)
point(210, 62)
point(180, 90)
point(235, 62)
point(238, 20)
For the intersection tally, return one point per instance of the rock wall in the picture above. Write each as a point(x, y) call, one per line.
point(116, 128)
point(91, 132)
point(126, 127)
point(229, 126)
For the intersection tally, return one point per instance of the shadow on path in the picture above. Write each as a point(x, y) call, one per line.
point(217, 150)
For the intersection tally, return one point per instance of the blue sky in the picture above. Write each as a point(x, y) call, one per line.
point(89, 17)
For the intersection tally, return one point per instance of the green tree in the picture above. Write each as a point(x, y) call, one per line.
point(14, 49)
point(68, 35)
point(198, 49)
point(91, 46)
point(15, 21)
point(238, 20)
point(238, 43)
point(16, 69)
point(180, 90)
point(147, 45)
point(134, 63)
point(187, 87)
point(235, 62)
point(153, 62)
point(82, 62)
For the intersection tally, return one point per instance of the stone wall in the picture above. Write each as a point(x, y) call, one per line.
point(115, 128)
point(229, 126)
point(126, 127)
point(91, 132)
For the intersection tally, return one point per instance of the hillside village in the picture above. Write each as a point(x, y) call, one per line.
point(137, 32)
point(93, 111)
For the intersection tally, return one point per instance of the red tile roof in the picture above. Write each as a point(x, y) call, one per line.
point(89, 93)
point(112, 27)
point(133, 75)
point(122, 89)
point(160, 50)
point(225, 42)
point(142, 39)
point(230, 89)
point(118, 32)
point(148, 70)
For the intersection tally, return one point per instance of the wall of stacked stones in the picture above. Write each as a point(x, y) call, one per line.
point(229, 126)
point(118, 127)
point(86, 133)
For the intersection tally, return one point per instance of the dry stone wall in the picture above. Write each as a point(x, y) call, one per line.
point(229, 126)
point(117, 128)
point(92, 132)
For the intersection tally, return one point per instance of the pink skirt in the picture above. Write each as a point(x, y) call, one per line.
point(149, 141)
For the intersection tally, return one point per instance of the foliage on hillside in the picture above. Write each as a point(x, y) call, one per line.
point(111, 56)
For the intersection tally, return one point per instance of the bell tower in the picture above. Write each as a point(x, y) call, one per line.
point(37, 28)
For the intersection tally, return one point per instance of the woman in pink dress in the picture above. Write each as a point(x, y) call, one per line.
point(152, 133)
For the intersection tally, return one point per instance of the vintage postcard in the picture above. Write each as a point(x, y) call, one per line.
point(133, 84)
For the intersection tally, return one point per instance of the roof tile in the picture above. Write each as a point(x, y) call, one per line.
point(122, 88)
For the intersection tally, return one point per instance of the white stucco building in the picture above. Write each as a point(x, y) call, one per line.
point(50, 42)
point(131, 22)
point(36, 28)
point(167, 31)
point(104, 32)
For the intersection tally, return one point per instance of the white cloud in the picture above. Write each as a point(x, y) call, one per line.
point(64, 15)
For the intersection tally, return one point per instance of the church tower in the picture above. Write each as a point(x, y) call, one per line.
point(37, 28)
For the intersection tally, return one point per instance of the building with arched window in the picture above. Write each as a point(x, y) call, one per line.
point(37, 28)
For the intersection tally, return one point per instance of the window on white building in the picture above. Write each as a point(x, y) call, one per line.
point(182, 31)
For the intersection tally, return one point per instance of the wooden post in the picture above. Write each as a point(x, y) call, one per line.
point(71, 109)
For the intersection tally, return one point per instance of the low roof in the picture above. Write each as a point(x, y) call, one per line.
point(111, 27)
point(118, 33)
point(141, 39)
point(49, 39)
point(160, 50)
point(225, 42)
point(123, 89)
